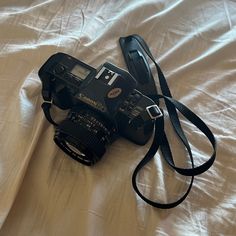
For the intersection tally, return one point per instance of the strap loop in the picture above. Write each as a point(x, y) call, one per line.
point(46, 106)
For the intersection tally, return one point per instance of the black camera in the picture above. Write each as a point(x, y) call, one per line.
point(103, 104)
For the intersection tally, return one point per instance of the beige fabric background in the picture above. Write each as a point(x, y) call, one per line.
point(43, 192)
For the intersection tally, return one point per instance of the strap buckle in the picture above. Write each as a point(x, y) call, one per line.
point(48, 101)
point(154, 112)
point(46, 105)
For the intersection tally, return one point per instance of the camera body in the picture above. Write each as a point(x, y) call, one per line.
point(103, 102)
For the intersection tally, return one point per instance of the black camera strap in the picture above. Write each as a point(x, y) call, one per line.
point(160, 139)
point(46, 106)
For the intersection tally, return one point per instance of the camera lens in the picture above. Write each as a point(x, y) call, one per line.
point(84, 135)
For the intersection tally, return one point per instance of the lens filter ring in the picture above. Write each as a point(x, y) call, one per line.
point(85, 157)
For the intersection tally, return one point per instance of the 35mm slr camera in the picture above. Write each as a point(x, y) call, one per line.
point(103, 104)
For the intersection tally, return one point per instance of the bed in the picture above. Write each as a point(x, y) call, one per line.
point(44, 192)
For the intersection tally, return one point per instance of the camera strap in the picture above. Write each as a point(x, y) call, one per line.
point(46, 106)
point(160, 139)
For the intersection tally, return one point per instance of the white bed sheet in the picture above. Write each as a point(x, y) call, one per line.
point(43, 192)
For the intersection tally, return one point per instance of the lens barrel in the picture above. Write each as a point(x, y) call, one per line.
point(84, 135)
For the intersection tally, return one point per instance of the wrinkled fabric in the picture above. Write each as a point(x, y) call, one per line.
point(44, 192)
